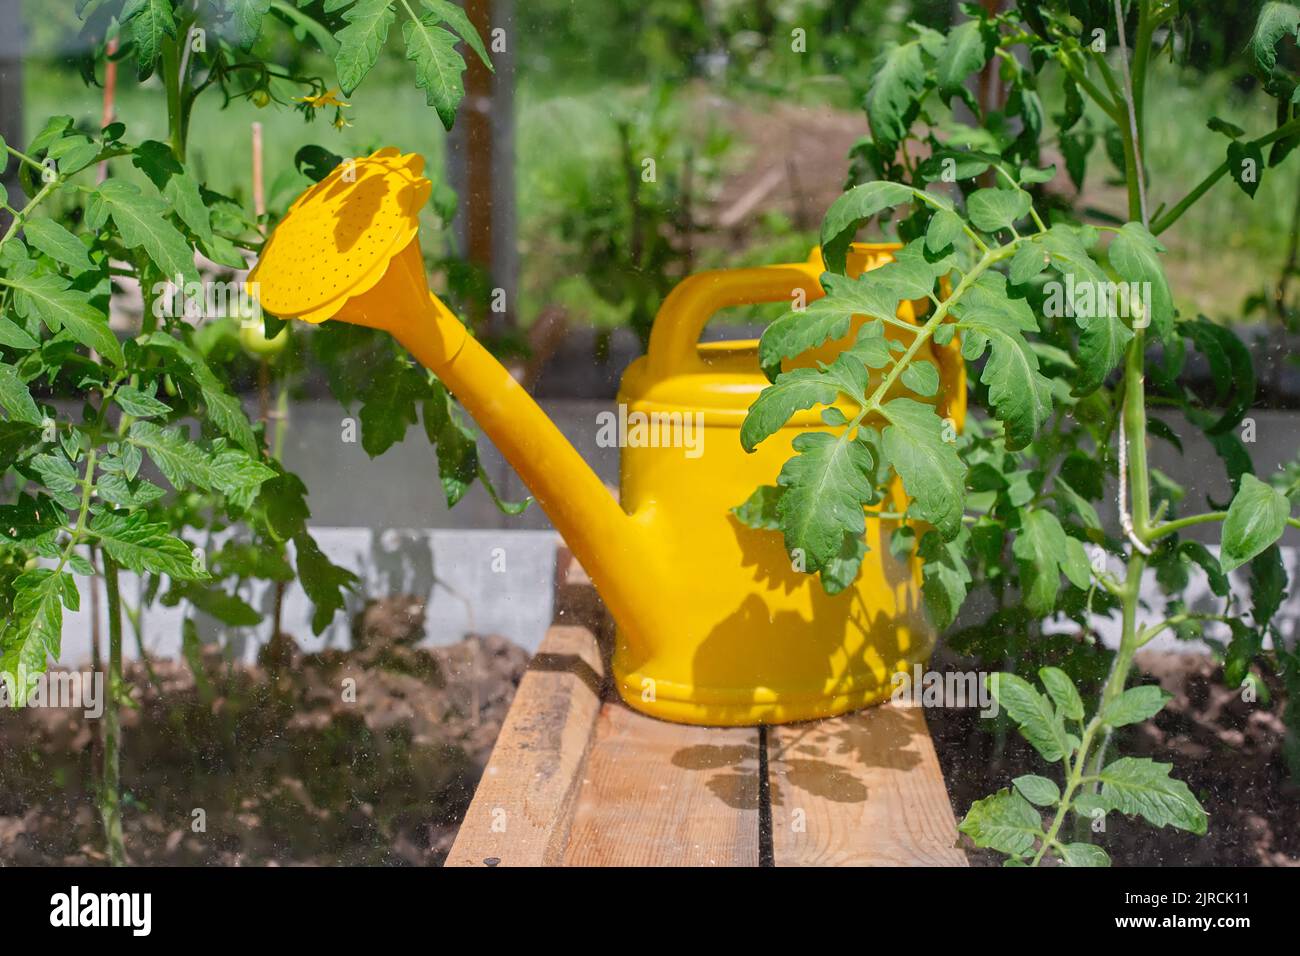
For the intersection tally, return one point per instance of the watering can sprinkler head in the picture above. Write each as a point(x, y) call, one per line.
point(348, 250)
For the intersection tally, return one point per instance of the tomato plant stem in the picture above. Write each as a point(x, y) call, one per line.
point(171, 77)
point(110, 797)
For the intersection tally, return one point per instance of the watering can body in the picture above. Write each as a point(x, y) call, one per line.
point(747, 637)
point(715, 625)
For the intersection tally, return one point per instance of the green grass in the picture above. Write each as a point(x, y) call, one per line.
point(387, 108)
point(1226, 248)
point(1228, 245)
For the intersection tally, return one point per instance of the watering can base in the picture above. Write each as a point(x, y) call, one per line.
point(748, 706)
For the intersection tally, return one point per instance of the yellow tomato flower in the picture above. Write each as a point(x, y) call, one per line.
point(328, 98)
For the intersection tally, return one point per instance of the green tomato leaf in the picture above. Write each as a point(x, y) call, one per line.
point(993, 210)
point(1276, 20)
point(1104, 336)
point(932, 473)
point(1030, 175)
point(1136, 785)
point(389, 406)
point(1083, 854)
point(824, 487)
point(1135, 705)
point(248, 16)
point(894, 88)
point(31, 521)
point(1256, 519)
point(850, 210)
point(758, 511)
point(457, 444)
point(826, 318)
point(1075, 564)
point(57, 243)
point(1135, 255)
point(792, 391)
point(965, 51)
point(1246, 166)
point(361, 41)
point(1230, 130)
point(325, 583)
point(944, 229)
point(186, 464)
point(215, 601)
point(455, 18)
point(150, 21)
point(1268, 581)
point(127, 492)
point(284, 499)
point(50, 298)
point(1006, 822)
point(1040, 791)
point(921, 377)
point(34, 632)
point(1075, 502)
point(137, 404)
point(15, 336)
point(945, 577)
point(438, 67)
point(145, 547)
point(143, 224)
point(16, 398)
point(157, 162)
point(224, 409)
point(1033, 713)
point(842, 570)
point(1062, 691)
point(1029, 260)
point(1039, 547)
point(1021, 396)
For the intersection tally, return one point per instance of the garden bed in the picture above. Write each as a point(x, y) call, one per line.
point(1228, 751)
point(285, 768)
point(288, 772)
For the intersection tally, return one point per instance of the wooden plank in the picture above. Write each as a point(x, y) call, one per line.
point(864, 789)
point(660, 794)
point(523, 806)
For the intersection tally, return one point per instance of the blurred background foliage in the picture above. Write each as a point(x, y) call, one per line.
point(713, 92)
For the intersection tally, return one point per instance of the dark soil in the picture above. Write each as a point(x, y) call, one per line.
point(1229, 751)
point(287, 765)
point(289, 768)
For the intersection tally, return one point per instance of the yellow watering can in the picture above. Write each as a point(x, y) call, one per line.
point(715, 626)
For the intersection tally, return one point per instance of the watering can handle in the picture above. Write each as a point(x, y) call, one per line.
point(698, 297)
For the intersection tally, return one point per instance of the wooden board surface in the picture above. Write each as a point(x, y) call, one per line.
point(660, 794)
point(582, 780)
point(864, 789)
point(523, 806)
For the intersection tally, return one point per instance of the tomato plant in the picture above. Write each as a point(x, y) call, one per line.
point(1071, 334)
point(84, 410)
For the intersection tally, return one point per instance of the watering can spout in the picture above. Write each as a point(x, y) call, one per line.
point(348, 250)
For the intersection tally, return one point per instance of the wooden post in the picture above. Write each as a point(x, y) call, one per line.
point(480, 160)
point(11, 95)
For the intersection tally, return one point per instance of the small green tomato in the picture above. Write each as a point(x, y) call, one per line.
point(252, 336)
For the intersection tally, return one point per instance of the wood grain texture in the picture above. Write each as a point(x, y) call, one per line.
point(863, 789)
point(660, 794)
point(523, 806)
